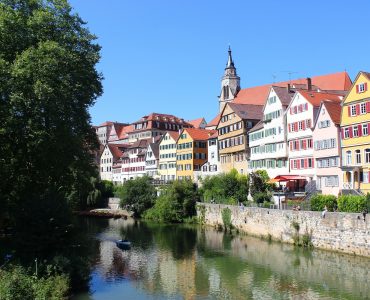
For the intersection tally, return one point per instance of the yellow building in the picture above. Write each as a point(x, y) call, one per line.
point(355, 128)
point(233, 127)
point(167, 156)
point(191, 151)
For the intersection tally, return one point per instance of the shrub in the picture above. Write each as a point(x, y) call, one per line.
point(139, 193)
point(318, 202)
point(259, 182)
point(262, 197)
point(226, 218)
point(352, 203)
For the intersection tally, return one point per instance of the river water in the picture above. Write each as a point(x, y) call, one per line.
point(190, 262)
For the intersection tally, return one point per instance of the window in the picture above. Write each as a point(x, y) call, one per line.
point(367, 156)
point(358, 156)
point(365, 178)
point(353, 110)
point(365, 129)
point(361, 87)
point(346, 132)
point(363, 108)
point(355, 131)
point(348, 158)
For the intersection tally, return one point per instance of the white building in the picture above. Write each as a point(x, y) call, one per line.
point(167, 156)
point(267, 139)
point(212, 166)
point(111, 155)
point(133, 161)
point(301, 113)
point(151, 160)
point(103, 131)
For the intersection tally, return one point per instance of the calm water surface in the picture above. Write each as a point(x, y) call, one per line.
point(188, 262)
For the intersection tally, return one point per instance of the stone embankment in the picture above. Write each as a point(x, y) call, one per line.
point(107, 213)
point(342, 232)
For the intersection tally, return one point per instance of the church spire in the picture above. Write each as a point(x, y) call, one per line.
point(230, 83)
point(230, 63)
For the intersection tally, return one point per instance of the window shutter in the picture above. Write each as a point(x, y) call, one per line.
point(291, 111)
point(296, 126)
point(291, 146)
point(349, 110)
point(304, 144)
point(291, 164)
point(357, 109)
point(342, 133)
point(350, 132)
point(298, 163)
point(289, 127)
point(368, 106)
point(312, 162)
point(357, 88)
point(306, 106)
point(304, 126)
point(306, 163)
point(359, 128)
point(365, 85)
point(309, 123)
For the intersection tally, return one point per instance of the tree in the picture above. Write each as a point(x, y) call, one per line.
point(48, 81)
point(176, 202)
point(260, 188)
point(138, 193)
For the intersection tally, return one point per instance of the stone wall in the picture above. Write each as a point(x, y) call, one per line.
point(342, 232)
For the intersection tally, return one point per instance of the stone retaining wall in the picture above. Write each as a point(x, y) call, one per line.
point(342, 232)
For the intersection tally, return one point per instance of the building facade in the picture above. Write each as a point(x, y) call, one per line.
point(326, 142)
point(167, 156)
point(133, 160)
point(355, 129)
point(235, 122)
point(151, 160)
point(191, 152)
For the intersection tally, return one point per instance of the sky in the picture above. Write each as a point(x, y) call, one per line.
point(168, 56)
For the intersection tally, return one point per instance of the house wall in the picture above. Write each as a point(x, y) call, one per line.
point(167, 158)
point(322, 173)
point(106, 163)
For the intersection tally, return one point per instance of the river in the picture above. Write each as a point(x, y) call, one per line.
point(190, 262)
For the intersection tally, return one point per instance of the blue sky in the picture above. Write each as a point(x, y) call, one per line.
point(169, 56)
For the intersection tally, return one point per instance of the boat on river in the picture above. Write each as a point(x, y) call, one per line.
point(123, 244)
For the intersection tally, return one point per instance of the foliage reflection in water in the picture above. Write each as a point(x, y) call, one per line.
point(189, 262)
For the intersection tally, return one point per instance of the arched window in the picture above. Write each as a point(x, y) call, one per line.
point(348, 158)
point(226, 92)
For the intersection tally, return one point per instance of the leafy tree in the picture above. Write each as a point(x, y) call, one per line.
point(48, 81)
point(227, 188)
point(138, 193)
point(259, 182)
point(176, 202)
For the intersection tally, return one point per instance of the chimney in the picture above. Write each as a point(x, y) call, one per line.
point(288, 88)
point(309, 84)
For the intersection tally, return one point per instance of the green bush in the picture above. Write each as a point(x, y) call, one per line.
point(262, 197)
point(318, 202)
point(226, 218)
point(352, 203)
point(139, 193)
point(16, 284)
point(175, 204)
point(229, 188)
point(259, 182)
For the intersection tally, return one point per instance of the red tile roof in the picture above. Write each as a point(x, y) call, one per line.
point(199, 134)
point(334, 109)
point(258, 94)
point(215, 121)
point(197, 122)
point(174, 134)
point(115, 150)
point(123, 132)
point(213, 136)
point(315, 98)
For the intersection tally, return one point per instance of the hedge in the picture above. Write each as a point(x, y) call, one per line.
point(352, 203)
point(318, 202)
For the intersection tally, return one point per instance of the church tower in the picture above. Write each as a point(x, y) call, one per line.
point(230, 83)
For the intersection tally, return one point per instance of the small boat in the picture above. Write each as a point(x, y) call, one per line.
point(123, 244)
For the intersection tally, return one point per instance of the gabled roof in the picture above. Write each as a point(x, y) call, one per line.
point(199, 134)
point(115, 150)
point(315, 98)
point(246, 111)
point(257, 95)
point(197, 122)
point(256, 127)
point(110, 123)
point(173, 134)
point(213, 136)
point(163, 118)
point(155, 149)
point(123, 132)
point(283, 94)
point(333, 108)
point(214, 121)
point(367, 74)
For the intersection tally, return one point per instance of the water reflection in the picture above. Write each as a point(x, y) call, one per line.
point(185, 262)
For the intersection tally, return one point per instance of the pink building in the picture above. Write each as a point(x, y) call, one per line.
point(326, 141)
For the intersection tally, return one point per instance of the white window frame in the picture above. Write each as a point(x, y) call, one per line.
point(353, 111)
point(361, 87)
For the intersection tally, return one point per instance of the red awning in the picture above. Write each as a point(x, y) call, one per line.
point(280, 178)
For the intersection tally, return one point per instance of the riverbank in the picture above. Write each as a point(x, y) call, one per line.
point(341, 232)
point(106, 213)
